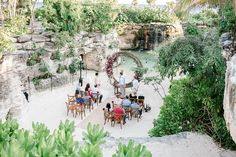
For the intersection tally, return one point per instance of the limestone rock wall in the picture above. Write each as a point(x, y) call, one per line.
point(11, 95)
point(94, 47)
point(230, 97)
point(147, 36)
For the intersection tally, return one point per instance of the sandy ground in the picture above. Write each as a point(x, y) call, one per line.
point(49, 107)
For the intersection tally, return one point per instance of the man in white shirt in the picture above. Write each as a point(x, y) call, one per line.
point(122, 84)
point(135, 84)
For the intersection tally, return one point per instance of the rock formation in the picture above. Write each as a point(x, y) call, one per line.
point(230, 84)
point(230, 97)
point(147, 36)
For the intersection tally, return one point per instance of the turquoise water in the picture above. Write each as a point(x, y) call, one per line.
point(148, 59)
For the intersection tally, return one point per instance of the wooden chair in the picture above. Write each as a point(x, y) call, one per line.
point(107, 115)
point(70, 107)
point(128, 112)
point(71, 98)
point(88, 104)
point(80, 110)
point(118, 118)
point(135, 114)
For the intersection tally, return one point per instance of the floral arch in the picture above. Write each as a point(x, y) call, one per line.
point(113, 58)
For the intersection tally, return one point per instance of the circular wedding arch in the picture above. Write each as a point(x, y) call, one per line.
point(112, 59)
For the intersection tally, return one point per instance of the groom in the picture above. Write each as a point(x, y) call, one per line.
point(122, 84)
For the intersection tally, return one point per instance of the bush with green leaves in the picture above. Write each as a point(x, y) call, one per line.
point(227, 17)
point(132, 150)
point(35, 57)
point(97, 17)
point(194, 103)
point(61, 15)
point(56, 56)
point(207, 17)
point(75, 65)
point(41, 142)
point(17, 25)
point(145, 15)
point(61, 68)
point(191, 29)
point(43, 67)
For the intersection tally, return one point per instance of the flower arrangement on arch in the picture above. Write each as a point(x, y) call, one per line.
point(109, 64)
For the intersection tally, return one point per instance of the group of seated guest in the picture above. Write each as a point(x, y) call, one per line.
point(89, 93)
point(128, 104)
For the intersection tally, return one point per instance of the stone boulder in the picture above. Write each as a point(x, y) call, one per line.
point(230, 97)
point(24, 38)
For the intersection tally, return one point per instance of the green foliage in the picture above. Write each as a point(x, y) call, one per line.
point(61, 68)
point(195, 102)
point(132, 150)
point(61, 15)
point(191, 30)
point(207, 17)
point(43, 67)
point(140, 71)
point(145, 15)
point(5, 41)
point(75, 65)
point(61, 143)
point(17, 25)
point(14, 26)
point(35, 57)
point(36, 81)
point(71, 51)
point(94, 135)
point(56, 56)
point(62, 38)
point(97, 17)
point(227, 17)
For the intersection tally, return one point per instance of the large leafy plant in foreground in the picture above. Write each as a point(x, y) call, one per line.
point(41, 143)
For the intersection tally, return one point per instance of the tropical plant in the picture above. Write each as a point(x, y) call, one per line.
point(61, 68)
point(75, 65)
point(199, 93)
point(35, 57)
point(56, 55)
point(132, 150)
point(61, 15)
point(98, 17)
point(43, 67)
point(227, 18)
point(145, 15)
point(94, 135)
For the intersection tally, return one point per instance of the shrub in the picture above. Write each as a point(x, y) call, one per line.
point(191, 30)
point(227, 17)
point(43, 67)
point(56, 56)
point(61, 15)
point(132, 150)
point(145, 15)
point(35, 57)
point(61, 68)
point(36, 81)
point(75, 65)
point(195, 102)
